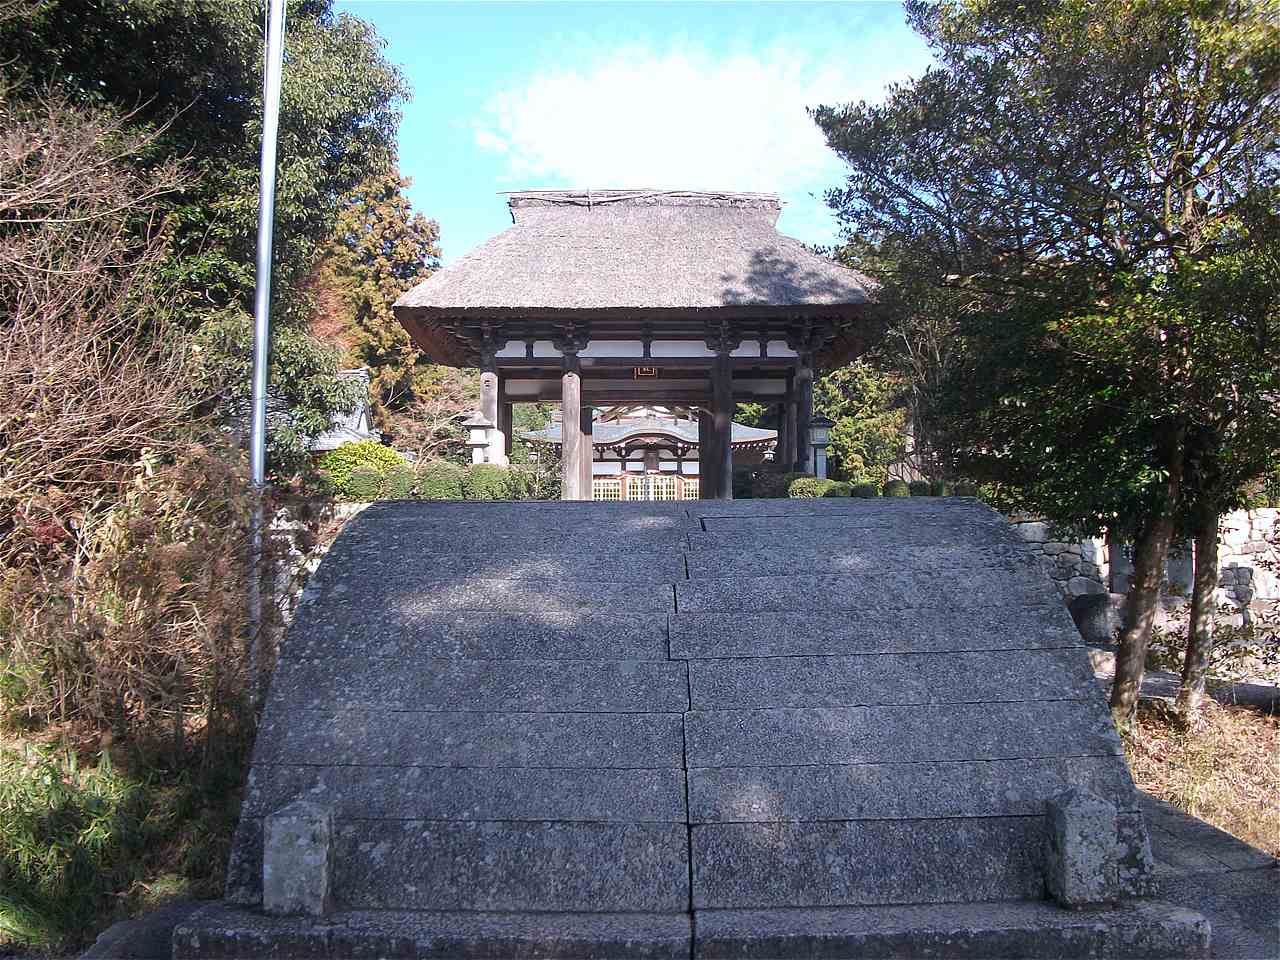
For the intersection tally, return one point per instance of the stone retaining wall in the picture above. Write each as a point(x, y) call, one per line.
point(1249, 554)
point(1248, 557)
point(1076, 566)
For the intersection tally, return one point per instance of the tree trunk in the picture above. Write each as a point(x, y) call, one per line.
point(1150, 550)
point(1200, 627)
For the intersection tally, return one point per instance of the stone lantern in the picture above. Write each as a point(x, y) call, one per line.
point(477, 427)
point(819, 439)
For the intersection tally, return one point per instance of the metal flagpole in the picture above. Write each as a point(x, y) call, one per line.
point(273, 67)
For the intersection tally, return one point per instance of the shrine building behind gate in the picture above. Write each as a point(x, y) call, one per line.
point(658, 298)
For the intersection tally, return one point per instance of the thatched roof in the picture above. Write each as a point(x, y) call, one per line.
point(620, 254)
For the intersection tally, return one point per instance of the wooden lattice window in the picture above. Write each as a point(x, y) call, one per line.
point(663, 488)
point(606, 489)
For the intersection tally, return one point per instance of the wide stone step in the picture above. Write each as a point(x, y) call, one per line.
point(751, 536)
point(591, 686)
point(1138, 930)
point(901, 734)
point(219, 932)
point(480, 560)
point(900, 791)
point(350, 630)
point(891, 678)
point(395, 792)
point(492, 865)
point(744, 865)
point(873, 628)
point(470, 739)
point(406, 596)
point(1142, 930)
point(897, 588)
point(854, 560)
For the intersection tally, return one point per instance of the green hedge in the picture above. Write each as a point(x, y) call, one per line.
point(487, 481)
point(364, 484)
point(439, 480)
point(897, 488)
point(398, 482)
point(940, 488)
point(772, 484)
point(918, 488)
point(966, 490)
point(809, 487)
point(340, 463)
point(838, 488)
point(864, 491)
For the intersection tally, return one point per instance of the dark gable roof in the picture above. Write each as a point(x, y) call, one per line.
point(644, 250)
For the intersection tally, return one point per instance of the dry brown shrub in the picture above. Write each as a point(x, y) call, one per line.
point(1225, 769)
point(124, 520)
point(91, 373)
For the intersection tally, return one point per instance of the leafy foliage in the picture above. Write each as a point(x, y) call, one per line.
point(838, 488)
point(1090, 189)
point(399, 481)
point(897, 488)
point(341, 463)
point(919, 488)
point(304, 393)
point(439, 480)
point(864, 491)
point(364, 484)
point(379, 249)
point(487, 481)
point(809, 487)
point(194, 73)
point(81, 840)
point(868, 435)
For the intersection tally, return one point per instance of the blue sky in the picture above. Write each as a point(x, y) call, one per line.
point(510, 96)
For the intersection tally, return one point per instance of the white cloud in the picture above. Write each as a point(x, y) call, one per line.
point(681, 117)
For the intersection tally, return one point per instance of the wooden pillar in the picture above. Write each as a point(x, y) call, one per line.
point(706, 453)
point(780, 456)
point(792, 459)
point(804, 412)
point(587, 462)
point(722, 425)
point(504, 418)
point(571, 440)
point(495, 452)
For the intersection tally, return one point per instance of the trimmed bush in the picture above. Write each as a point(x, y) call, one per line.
point(339, 463)
point(864, 491)
point(897, 488)
point(439, 480)
point(838, 488)
point(364, 484)
point(966, 490)
point(940, 488)
point(486, 481)
point(398, 482)
point(918, 488)
point(771, 483)
point(808, 487)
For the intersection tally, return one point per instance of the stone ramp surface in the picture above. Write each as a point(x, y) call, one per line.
point(563, 730)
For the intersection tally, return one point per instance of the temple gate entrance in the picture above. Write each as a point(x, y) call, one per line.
point(689, 300)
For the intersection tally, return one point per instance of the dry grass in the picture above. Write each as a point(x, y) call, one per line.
point(1225, 770)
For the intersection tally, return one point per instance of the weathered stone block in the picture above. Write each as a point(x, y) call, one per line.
point(1094, 854)
point(1097, 616)
point(297, 860)
point(1079, 586)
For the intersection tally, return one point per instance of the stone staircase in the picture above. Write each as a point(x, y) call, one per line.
point(756, 729)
